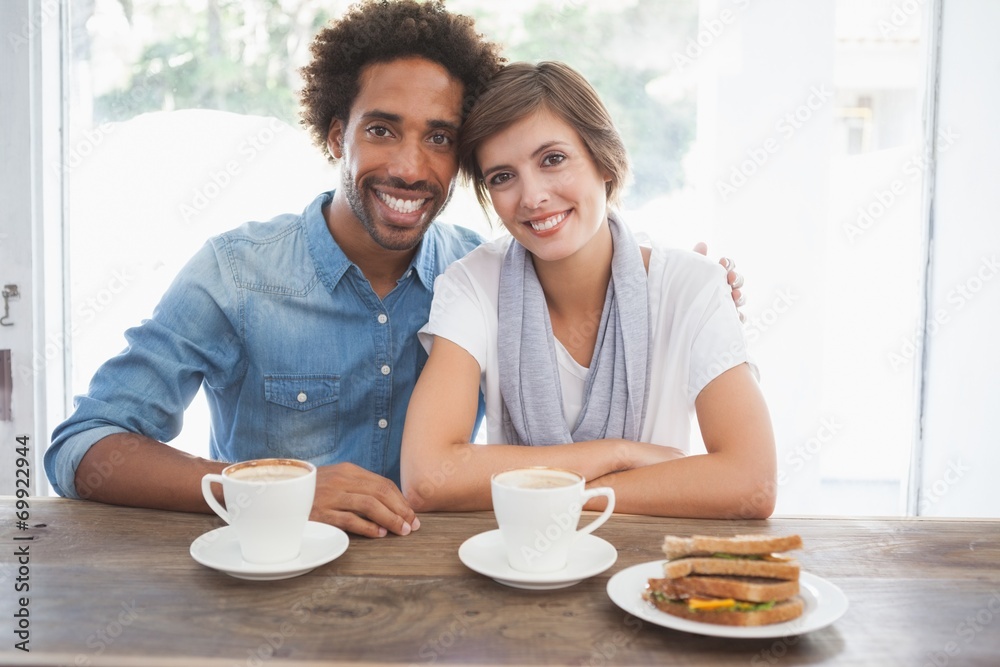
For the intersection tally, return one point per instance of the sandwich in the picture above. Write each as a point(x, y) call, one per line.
point(743, 580)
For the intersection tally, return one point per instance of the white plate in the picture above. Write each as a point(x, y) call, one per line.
point(484, 553)
point(824, 604)
point(220, 550)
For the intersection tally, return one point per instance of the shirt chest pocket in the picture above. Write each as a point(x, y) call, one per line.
point(302, 414)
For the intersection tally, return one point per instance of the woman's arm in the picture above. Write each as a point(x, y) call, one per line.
point(441, 470)
point(735, 479)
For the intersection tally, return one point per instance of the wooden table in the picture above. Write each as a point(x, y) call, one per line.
point(117, 586)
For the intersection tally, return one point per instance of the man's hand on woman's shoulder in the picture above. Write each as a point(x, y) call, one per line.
point(734, 278)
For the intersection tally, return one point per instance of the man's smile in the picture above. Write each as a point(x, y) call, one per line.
point(400, 205)
point(403, 208)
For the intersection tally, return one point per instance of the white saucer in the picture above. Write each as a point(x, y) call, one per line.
point(824, 604)
point(220, 550)
point(484, 553)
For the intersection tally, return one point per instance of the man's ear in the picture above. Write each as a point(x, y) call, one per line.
point(335, 139)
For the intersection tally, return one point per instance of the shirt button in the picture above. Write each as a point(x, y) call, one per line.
point(382, 319)
point(382, 423)
point(385, 370)
point(302, 398)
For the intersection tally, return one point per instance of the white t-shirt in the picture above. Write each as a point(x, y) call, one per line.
point(696, 335)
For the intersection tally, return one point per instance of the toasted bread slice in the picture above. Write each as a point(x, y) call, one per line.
point(750, 589)
point(744, 545)
point(736, 567)
point(779, 613)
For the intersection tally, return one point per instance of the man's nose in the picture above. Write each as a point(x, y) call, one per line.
point(409, 163)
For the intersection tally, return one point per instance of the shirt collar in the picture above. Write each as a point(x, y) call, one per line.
point(332, 263)
point(425, 261)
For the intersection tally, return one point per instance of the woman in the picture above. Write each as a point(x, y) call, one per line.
point(580, 339)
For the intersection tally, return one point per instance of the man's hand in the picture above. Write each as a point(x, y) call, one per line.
point(361, 502)
point(735, 279)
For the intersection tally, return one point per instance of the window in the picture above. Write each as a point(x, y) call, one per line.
point(790, 138)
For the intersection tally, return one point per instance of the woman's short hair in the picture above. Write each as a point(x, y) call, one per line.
point(520, 89)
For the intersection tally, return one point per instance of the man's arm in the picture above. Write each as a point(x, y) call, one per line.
point(191, 338)
point(137, 471)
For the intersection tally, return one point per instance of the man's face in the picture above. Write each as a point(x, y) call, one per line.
point(398, 149)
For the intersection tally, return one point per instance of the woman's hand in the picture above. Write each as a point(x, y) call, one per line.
point(640, 454)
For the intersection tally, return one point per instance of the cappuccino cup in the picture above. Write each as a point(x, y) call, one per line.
point(268, 502)
point(538, 510)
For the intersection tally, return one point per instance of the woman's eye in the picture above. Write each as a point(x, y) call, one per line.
point(553, 159)
point(499, 179)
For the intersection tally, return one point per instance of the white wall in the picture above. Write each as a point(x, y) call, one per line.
point(962, 395)
point(15, 233)
point(30, 254)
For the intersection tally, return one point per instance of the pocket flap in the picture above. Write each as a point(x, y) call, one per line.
point(301, 392)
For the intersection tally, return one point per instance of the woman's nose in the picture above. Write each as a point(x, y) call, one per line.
point(534, 191)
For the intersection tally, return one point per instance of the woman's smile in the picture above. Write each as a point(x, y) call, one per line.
point(548, 222)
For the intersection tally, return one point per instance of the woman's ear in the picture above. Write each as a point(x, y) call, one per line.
point(335, 139)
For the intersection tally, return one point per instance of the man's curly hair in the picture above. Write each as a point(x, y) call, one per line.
point(375, 31)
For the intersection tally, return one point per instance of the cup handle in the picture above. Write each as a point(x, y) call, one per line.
point(206, 490)
point(605, 515)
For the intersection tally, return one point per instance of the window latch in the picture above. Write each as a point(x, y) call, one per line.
point(9, 292)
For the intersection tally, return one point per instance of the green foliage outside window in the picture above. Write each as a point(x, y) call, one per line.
point(243, 56)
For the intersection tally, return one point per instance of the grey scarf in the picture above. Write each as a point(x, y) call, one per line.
point(617, 383)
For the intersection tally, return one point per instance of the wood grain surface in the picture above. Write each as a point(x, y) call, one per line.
point(117, 586)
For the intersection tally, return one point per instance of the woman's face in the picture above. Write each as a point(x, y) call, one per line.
point(544, 185)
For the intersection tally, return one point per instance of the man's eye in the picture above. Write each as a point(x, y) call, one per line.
point(441, 139)
point(379, 130)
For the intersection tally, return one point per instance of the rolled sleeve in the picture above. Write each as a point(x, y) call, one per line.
point(63, 457)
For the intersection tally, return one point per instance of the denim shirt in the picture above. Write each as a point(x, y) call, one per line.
point(297, 354)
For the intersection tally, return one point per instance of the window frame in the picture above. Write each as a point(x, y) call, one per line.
point(34, 190)
point(39, 226)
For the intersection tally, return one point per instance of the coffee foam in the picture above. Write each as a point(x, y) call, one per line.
point(537, 479)
point(275, 472)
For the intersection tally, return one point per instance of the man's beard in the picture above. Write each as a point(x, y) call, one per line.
point(384, 235)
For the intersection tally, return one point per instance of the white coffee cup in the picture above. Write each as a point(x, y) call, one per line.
point(268, 502)
point(538, 510)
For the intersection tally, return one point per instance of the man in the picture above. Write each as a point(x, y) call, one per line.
point(302, 329)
